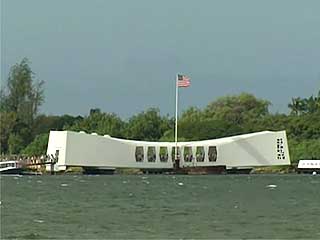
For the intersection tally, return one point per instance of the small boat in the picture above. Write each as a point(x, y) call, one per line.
point(10, 167)
point(309, 166)
point(15, 167)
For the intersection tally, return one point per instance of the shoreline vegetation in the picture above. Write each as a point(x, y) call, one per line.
point(25, 130)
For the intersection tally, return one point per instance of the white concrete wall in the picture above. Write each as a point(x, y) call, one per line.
point(99, 151)
point(57, 141)
point(81, 149)
point(258, 150)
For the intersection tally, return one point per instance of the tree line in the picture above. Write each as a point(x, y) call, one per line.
point(24, 130)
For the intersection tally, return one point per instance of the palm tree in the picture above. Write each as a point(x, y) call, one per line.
point(310, 104)
point(296, 106)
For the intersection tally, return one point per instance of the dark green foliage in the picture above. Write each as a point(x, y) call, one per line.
point(300, 106)
point(7, 123)
point(148, 125)
point(101, 123)
point(237, 109)
point(43, 123)
point(207, 129)
point(15, 143)
point(20, 100)
point(304, 149)
point(38, 146)
point(23, 94)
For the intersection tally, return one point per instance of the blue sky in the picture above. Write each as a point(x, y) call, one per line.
point(122, 56)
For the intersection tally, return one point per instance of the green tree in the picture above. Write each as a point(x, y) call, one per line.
point(101, 123)
point(237, 109)
point(23, 94)
point(148, 125)
point(16, 143)
point(304, 149)
point(309, 105)
point(7, 123)
point(297, 106)
point(44, 123)
point(38, 146)
point(21, 97)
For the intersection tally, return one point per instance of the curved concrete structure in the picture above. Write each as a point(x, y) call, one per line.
point(243, 151)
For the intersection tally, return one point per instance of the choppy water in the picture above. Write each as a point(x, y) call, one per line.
point(160, 206)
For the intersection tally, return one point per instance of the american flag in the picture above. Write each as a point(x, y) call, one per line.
point(183, 81)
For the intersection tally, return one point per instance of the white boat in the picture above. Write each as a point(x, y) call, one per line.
point(309, 166)
point(10, 167)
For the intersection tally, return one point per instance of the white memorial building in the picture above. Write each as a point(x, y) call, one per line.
point(242, 152)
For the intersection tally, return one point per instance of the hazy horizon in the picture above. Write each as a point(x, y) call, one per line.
point(122, 56)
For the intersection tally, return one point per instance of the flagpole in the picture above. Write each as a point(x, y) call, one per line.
point(176, 123)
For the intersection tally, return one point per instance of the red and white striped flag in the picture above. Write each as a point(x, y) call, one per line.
point(183, 81)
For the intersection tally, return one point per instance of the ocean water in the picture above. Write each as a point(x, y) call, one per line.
point(160, 206)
